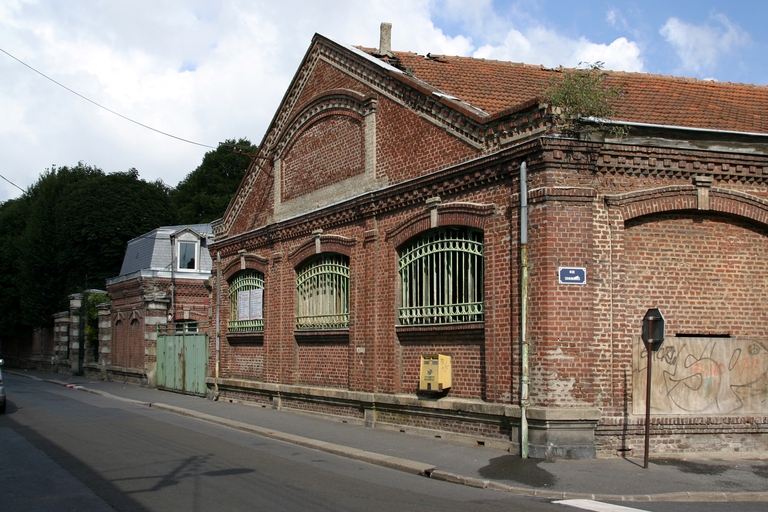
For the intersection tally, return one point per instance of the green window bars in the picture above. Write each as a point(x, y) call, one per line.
point(246, 302)
point(442, 278)
point(323, 288)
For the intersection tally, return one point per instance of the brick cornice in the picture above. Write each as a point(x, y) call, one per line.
point(682, 163)
point(569, 194)
point(656, 161)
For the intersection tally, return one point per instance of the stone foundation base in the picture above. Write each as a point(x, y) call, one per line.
point(562, 433)
point(126, 375)
point(554, 433)
point(678, 435)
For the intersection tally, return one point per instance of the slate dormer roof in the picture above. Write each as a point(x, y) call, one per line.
point(150, 253)
point(498, 87)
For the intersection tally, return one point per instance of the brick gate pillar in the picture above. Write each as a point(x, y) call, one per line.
point(60, 339)
point(156, 309)
point(105, 337)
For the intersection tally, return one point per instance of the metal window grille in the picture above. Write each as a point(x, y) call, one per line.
point(323, 289)
point(442, 278)
point(244, 281)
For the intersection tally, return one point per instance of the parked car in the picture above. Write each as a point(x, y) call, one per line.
point(2, 389)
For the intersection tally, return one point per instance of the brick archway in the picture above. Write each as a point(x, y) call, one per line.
point(689, 197)
point(457, 214)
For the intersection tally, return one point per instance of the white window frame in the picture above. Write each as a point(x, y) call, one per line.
point(196, 258)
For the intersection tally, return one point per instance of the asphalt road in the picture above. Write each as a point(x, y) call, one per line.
point(66, 450)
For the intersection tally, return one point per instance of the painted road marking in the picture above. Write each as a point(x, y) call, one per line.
point(596, 506)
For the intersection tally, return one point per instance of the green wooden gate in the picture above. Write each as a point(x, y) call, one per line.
point(182, 362)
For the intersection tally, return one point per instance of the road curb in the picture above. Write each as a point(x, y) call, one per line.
point(679, 496)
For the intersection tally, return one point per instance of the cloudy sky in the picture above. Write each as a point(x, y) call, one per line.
point(208, 70)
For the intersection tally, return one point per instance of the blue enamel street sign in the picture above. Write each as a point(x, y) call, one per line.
point(572, 275)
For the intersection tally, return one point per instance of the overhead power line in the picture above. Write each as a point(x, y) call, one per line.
point(102, 106)
point(12, 183)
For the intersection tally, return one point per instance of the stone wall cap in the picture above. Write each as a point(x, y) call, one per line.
point(473, 406)
point(564, 413)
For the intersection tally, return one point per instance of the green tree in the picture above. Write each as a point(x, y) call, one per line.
point(584, 99)
point(43, 275)
point(203, 196)
point(99, 219)
point(92, 317)
point(13, 220)
point(78, 222)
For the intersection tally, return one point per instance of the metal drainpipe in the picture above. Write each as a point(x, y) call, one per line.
point(218, 324)
point(525, 369)
point(172, 314)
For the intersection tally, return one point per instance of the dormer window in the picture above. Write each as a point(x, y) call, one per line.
point(187, 256)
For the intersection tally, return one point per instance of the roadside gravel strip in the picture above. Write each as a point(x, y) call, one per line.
point(423, 468)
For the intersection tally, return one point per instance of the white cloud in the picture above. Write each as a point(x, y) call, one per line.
point(616, 20)
point(701, 47)
point(543, 46)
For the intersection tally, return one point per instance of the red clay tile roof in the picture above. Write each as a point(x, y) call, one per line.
point(494, 86)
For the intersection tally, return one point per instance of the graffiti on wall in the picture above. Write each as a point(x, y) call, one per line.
point(703, 376)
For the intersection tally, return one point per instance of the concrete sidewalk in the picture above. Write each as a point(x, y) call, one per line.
point(613, 479)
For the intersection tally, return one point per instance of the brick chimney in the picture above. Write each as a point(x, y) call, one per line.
point(385, 39)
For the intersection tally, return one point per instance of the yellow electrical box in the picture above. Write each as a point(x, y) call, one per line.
point(435, 372)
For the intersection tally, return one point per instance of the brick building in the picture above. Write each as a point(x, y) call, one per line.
point(381, 222)
point(163, 280)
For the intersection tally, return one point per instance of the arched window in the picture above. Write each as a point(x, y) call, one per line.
point(442, 277)
point(323, 289)
point(246, 302)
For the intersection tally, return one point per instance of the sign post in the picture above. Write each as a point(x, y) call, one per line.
point(653, 336)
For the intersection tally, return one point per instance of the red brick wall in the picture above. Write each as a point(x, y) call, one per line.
point(580, 335)
point(327, 152)
point(191, 300)
point(135, 323)
point(708, 274)
point(324, 364)
point(561, 316)
point(468, 365)
point(409, 146)
point(375, 359)
point(239, 360)
point(326, 78)
point(259, 203)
